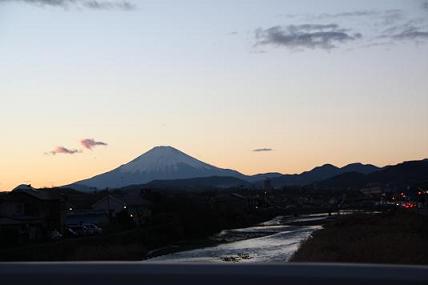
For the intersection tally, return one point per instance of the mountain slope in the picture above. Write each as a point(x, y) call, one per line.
point(159, 163)
point(317, 174)
point(359, 168)
point(200, 183)
point(344, 180)
point(262, 177)
point(407, 173)
point(321, 173)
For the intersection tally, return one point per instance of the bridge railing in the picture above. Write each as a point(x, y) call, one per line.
point(130, 273)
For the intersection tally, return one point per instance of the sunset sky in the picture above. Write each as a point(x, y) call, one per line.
point(305, 82)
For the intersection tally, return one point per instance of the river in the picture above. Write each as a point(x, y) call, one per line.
point(273, 241)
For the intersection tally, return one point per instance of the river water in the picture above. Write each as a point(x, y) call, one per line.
point(273, 241)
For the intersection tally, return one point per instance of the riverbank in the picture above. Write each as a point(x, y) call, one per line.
point(181, 222)
point(394, 237)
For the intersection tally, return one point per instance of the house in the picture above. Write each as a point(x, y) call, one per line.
point(30, 214)
point(106, 210)
point(138, 207)
point(99, 213)
point(86, 216)
point(109, 204)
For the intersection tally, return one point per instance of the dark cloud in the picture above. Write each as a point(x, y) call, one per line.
point(425, 5)
point(63, 150)
point(262, 149)
point(122, 5)
point(90, 4)
point(323, 36)
point(91, 143)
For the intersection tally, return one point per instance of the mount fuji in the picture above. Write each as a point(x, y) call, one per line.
point(166, 166)
point(159, 163)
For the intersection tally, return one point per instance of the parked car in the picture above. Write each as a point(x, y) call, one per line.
point(55, 235)
point(86, 229)
point(70, 233)
point(92, 229)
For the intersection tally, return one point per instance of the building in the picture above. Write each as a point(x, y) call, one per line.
point(138, 207)
point(107, 209)
point(30, 214)
point(110, 205)
point(99, 213)
point(86, 216)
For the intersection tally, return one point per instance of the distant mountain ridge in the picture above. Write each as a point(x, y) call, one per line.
point(165, 163)
point(408, 173)
point(213, 182)
point(359, 168)
point(321, 173)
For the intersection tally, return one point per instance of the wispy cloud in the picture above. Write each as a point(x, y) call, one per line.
point(262, 149)
point(63, 150)
point(390, 17)
point(414, 30)
point(382, 28)
point(411, 33)
point(305, 36)
point(358, 13)
point(91, 143)
point(379, 16)
point(89, 4)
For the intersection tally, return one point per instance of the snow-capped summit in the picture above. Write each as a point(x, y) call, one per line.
point(160, 158)
point(159, 163)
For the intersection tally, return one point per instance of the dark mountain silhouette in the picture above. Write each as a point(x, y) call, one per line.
point(262, 176)
point(344, 180)
point(200, 183)
point(359, 168)
point(407, 173)
point(321, 173)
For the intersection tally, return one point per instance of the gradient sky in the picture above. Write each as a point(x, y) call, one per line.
point(315, 81)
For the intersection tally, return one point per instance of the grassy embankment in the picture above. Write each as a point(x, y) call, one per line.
point(396, 237)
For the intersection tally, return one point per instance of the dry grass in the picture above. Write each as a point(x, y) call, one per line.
point(396, 237)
